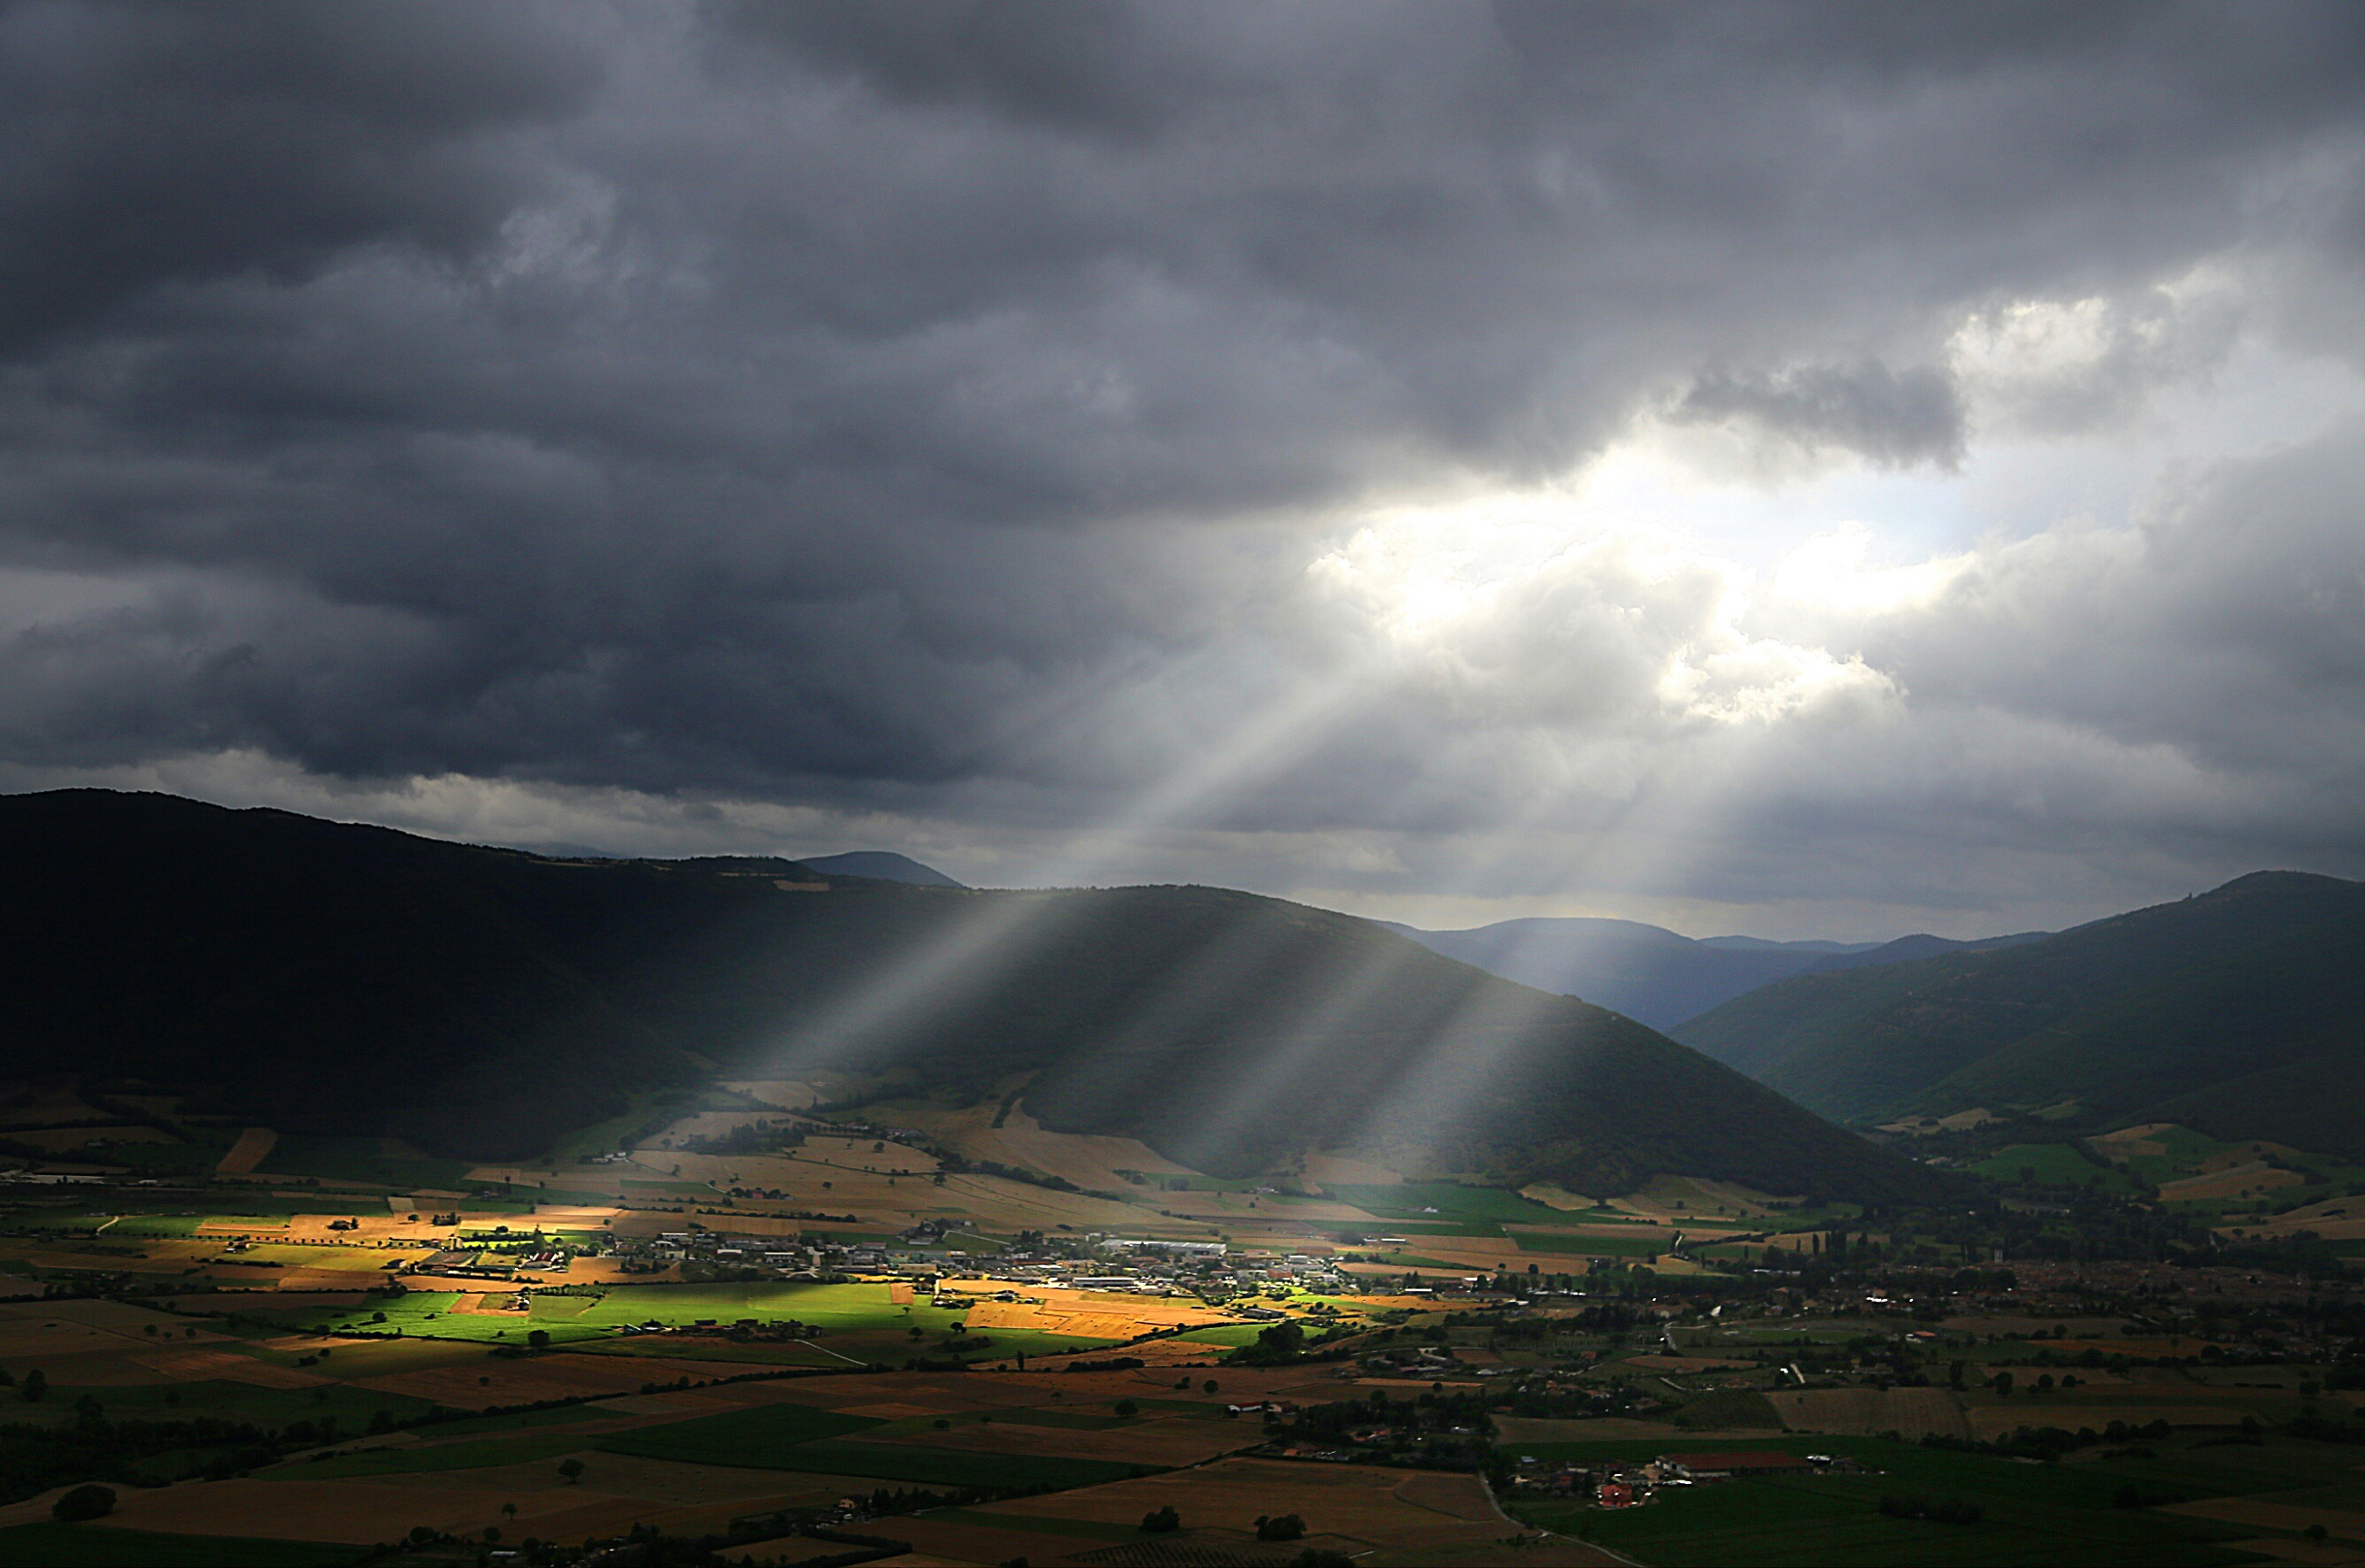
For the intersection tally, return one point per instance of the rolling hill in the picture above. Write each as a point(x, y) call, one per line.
point(1655, 975)
point(881, 866)
point(2238, 1011)
point(339, 979)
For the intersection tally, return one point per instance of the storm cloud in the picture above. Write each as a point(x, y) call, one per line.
point(1112, 441)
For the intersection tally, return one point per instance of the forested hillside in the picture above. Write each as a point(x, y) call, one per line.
point(2240, 1007)
point(481, 1002)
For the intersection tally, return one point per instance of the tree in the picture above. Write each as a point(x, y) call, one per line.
point(538, 1338)
point(1208, 1386)
point(2003, 1383)
point(572, 1469)
point(1287, 1527)
point(1127, 1407)
point(1161, 1521)
point(1282, 1338)
point(84, 1503)
point(36, 1387)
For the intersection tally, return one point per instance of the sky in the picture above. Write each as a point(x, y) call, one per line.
point(1824, 471)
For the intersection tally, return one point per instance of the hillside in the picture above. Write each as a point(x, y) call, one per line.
point(881, 866)
point(1652, 974)
point(329, 977)
point(2228, 1006)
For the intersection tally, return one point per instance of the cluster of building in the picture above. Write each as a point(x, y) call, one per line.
point(1618, 1484)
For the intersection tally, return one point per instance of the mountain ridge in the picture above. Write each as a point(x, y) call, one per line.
point(2131, 1017)
point(360, 980)
point(1659, 977)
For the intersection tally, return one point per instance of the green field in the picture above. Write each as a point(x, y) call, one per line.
point(851, 1306)
point(1230, 1334)
point(2034, 1514)
point(1591, 1246)
point(2055, 1165)
point(429, 1314)
point(1412, 1201)
point(737, 1437)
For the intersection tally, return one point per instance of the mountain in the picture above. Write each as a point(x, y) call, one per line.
point(328, 977)
point(1648, 973)
point(1767, 944)
point(881, 865)
point(2238, 1011)
point(1905, 949)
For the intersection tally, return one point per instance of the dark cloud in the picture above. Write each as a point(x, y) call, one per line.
point(1895, 420)
point(947, 406)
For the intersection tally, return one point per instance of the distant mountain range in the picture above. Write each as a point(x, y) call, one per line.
point(2240, 1012)
point(321, 977)
point(1654, 975)
point(881, 866)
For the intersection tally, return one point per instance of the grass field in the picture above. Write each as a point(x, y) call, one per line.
point(2055, 1165)
point(1591, 1246)
point(738, 1436)
point(2034, 1514)
point(1443, 1203)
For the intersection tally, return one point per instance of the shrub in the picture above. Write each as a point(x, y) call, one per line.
point(1288, 1527)
point(84, 1503)
point(1163, 1521)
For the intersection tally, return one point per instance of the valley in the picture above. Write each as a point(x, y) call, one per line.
point(712, 1211)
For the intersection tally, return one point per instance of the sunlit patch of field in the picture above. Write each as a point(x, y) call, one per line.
point(1089, 1161)
point(2240, 1180)
point(248, 1153)
point(866, 1154)
point(2334, 1219)
point(1696, 1198)
point(1557, 1197)
point(1087, 1314)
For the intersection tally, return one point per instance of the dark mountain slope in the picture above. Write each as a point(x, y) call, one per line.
point(1864, 1043)
point(478, 1001)
point(1652, 974)
point(2270, 1043)
point(881, 865)
point(1907, 949)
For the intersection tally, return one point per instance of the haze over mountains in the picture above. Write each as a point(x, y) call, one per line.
point(334, 977)
point(2240, 1012)
point(1658, 976)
